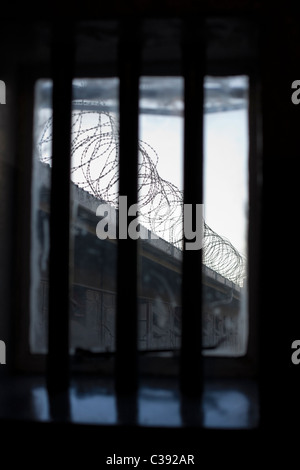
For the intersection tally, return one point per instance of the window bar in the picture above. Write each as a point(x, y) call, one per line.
point(58, 329)
point(126, 321)
point(191, 368)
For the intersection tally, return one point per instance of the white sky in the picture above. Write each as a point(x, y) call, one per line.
point(225, 166)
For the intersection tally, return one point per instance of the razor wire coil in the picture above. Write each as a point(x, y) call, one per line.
point(95, 169)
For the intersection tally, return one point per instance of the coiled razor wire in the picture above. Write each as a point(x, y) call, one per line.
point(95, 168)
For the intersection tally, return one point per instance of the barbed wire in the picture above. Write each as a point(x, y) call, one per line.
point(95, 169)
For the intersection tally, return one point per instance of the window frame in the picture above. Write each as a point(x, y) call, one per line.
point(214, 367)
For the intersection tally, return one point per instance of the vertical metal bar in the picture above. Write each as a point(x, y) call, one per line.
point(254, 281)
point(126, 322)
point(191, 368)
point(58, 330)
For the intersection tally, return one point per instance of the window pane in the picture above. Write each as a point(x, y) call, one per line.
point(40, 203)
point(160, 212)
point(94, 175)
point(225, 213)
point(94, 181)
point(225, 316)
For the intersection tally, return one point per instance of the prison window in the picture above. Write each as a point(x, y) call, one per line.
point(123, 160)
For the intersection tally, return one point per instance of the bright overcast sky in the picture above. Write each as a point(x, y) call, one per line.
point(225, 156)
point(225, 166)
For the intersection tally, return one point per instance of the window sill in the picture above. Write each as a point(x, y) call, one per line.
point(227, 404)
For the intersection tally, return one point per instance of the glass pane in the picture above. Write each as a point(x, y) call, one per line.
point(160, 199)
point(225, 316)
point(94, 175)
point(40, 200)
point(94, 182)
